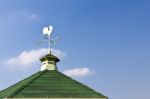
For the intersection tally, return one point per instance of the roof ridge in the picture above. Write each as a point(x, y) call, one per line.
point(82, 84)
point(25, 85)
point(17, 83)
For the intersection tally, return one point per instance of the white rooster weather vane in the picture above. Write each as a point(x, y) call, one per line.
point(47, 31)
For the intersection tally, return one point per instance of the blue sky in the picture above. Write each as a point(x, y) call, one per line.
point(109, 37)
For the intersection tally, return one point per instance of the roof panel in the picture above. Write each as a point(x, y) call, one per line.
point(52, 84)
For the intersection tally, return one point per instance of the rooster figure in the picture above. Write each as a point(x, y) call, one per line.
point(47, 30)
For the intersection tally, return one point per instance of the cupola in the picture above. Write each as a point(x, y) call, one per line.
point(49, 62)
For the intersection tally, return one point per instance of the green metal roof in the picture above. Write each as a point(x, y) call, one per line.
point(49, 84)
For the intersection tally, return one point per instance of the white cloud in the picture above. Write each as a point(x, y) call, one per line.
point(18, 17)
point(34, 16)
point(78, 72)
point(58, 53)
point(26, 58)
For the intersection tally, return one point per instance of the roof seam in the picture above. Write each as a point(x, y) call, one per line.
point(83, 85)
point(25, 85)
point(3, 91)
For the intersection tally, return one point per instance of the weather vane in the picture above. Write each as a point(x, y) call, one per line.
point(48, 31)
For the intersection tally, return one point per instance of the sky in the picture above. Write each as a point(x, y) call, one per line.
point(104, 44)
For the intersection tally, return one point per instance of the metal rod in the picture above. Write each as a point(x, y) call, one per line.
point(49, 45)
